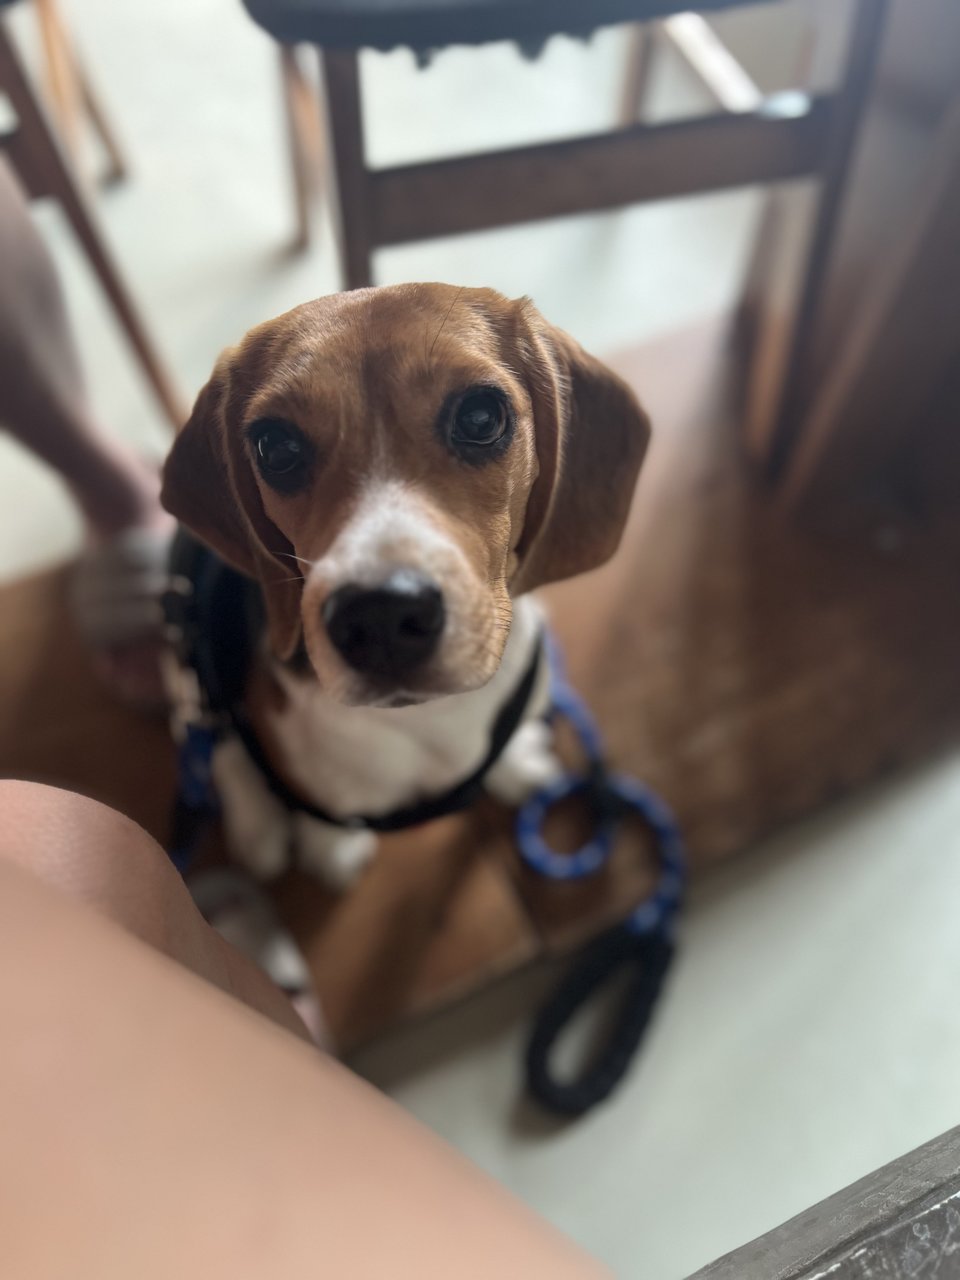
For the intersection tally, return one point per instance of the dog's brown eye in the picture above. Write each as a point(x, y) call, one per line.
point(282, 452)
point(480, 418)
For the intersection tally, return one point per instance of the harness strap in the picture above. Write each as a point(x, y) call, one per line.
point(457, 798)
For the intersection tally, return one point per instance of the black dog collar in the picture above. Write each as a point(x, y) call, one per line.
point(452, 801)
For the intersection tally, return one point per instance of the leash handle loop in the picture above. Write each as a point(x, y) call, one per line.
point(648, 957)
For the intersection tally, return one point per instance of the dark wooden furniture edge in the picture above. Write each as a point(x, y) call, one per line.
point(914, 1202)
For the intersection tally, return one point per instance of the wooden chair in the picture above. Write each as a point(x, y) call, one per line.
point(742, 144)
point(35, 154)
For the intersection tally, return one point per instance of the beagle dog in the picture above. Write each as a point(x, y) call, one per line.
point(397, 468)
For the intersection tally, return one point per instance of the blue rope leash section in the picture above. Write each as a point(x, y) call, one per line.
point(196, 801)
point(643, 943)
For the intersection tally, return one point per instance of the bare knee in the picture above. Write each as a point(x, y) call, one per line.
point(47, 827)
point(87, 850)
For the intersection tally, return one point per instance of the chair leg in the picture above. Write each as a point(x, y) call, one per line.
point(117, 167)
point(63, 88)
point(341, 75)
point(72, 92)
point(642, 49)
point(50, 173)
point(868, 23)
point(304, 140)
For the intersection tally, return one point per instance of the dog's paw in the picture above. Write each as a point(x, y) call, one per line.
point(334, 855)
point(256, 824)
point(528, 762)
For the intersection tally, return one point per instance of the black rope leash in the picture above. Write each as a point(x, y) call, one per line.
point(643, 943)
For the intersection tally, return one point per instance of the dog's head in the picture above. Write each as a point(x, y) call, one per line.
point(392, 465)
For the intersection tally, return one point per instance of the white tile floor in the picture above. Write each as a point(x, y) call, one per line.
point(810, 1034)
point(811, 1029)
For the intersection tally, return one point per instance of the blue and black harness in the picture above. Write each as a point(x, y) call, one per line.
point(214, 618)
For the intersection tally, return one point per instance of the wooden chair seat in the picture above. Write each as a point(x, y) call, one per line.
point(425, 24)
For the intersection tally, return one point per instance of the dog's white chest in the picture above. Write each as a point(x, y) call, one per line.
point(369, 760)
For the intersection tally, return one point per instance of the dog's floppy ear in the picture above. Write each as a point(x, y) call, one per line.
point(208, 484)
point(591, 435)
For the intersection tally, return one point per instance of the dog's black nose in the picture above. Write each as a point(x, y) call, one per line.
point(389, 630)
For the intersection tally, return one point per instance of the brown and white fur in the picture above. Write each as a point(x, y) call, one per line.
point(377, 388)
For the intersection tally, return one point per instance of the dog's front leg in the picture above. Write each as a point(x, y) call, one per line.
point(257, 825)
point(335, 855)
point(527, 763)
